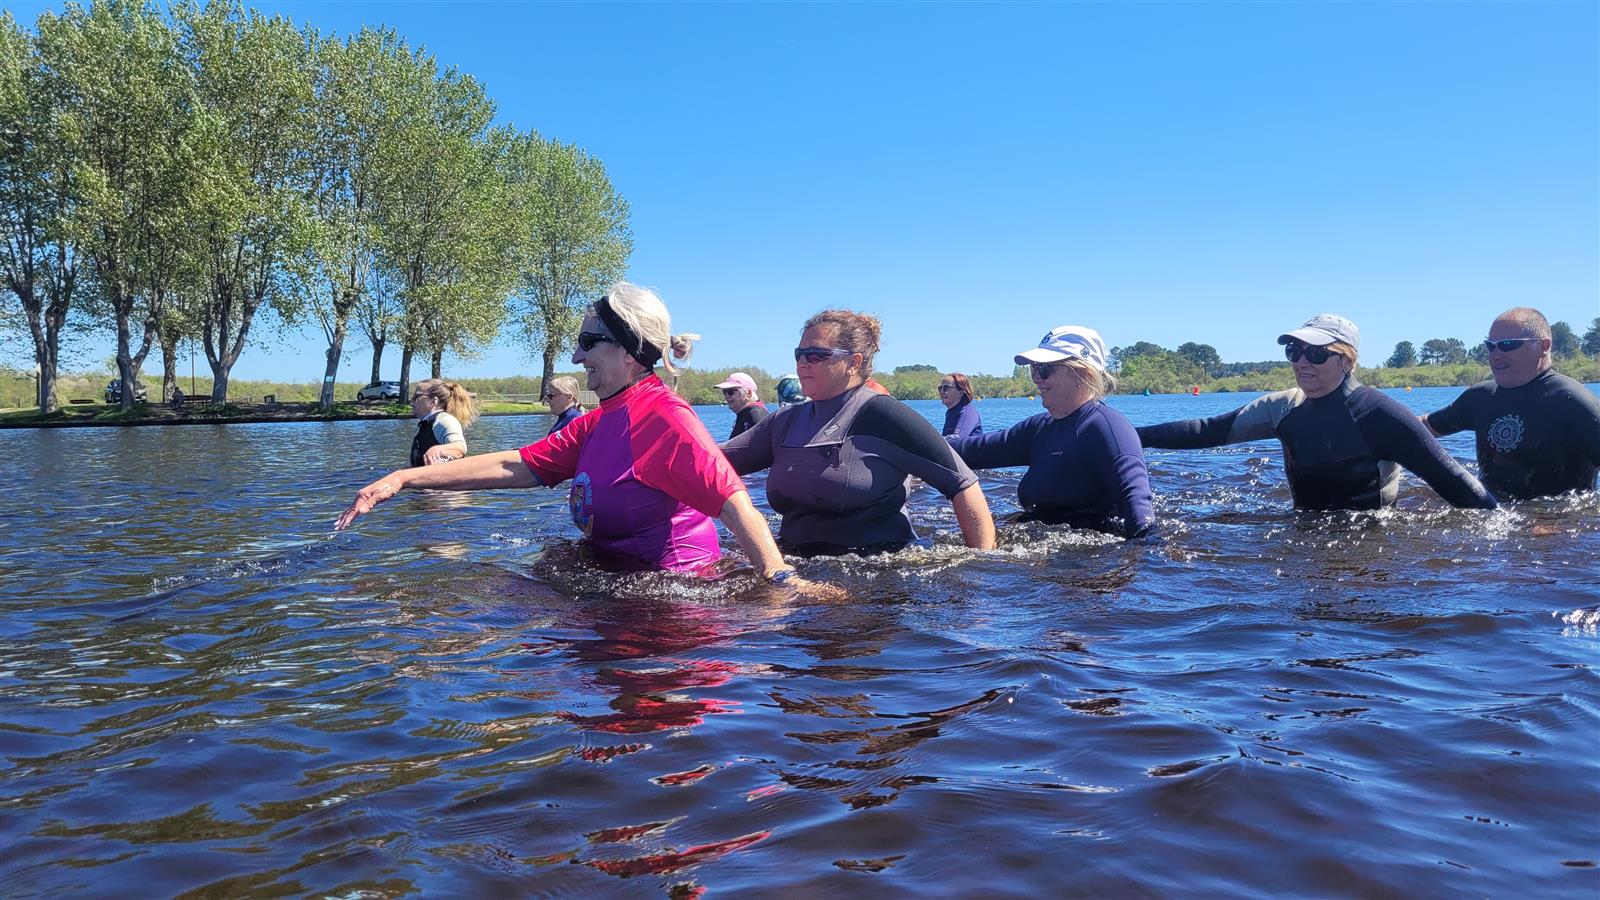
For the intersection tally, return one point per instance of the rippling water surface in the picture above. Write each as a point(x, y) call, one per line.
point(203, 690)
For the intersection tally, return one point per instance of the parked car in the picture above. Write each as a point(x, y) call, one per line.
point(114, 392)
point(380, 390)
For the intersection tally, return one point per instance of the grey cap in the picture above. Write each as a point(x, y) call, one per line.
point(1322, 330)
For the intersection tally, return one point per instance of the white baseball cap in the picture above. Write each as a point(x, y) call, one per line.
point(1322, 330)
point(1068, 342)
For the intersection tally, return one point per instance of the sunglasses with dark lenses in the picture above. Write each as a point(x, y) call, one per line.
point(947, 388)
point(1314, 355)
point(814, 355)
point(731, 392)
point(587, 340)
point(1507, 345)
point(1042, 371)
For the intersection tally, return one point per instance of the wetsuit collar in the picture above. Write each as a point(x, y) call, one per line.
point(621, 397)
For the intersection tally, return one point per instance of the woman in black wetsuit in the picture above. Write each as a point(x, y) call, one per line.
point(1343, 442)
point(839, 461)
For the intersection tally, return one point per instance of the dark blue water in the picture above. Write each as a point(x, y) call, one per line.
point(204, 690)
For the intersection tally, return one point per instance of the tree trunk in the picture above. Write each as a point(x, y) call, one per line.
point(438, 364)
point(169, 369)
point(405, 372)
point(551, 348)
point(341, 328)
point(377, 358)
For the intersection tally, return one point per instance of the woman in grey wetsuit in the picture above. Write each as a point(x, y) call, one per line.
point(839, 461)
point(1343, 442)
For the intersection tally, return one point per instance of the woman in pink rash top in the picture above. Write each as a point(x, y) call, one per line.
point(646, 476)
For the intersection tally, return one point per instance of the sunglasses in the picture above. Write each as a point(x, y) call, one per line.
point(731, 392)
point(415, 397)
point(587, 340)
point(1314, 355)
point(1507, 345)
point(814, 355)
point(1042, 371)
point(947, 388)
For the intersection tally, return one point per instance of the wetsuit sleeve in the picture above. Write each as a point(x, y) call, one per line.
point(447, 429)
point(1394, 432)
point(969, 422)
point(751, 450)
point(1255, 421)
point(555, 459)
point(1118, 460)
point(998, 449)
point(673, 453)
point(1453, 418)
point(1586, 423)
point(897, 434)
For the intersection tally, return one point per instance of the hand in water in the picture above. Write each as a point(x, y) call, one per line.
point(814, 590)
point(366, 499)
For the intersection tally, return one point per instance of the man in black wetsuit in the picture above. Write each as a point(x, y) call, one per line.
point(1538, 432)
point(1343, 442)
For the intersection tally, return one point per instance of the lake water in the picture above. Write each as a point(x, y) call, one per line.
point(204, 690)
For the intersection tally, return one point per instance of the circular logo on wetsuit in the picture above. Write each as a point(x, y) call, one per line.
point(1506, 433)
point(580, 501)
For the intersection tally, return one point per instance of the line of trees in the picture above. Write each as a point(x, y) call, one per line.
point(186, 175)
point(1564, 344)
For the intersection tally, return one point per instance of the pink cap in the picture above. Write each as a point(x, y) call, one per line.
point(739, 380)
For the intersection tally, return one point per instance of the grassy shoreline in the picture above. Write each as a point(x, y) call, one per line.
point(103, 415)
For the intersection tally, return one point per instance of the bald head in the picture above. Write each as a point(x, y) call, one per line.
point(1527, 358)
point(1529, 320)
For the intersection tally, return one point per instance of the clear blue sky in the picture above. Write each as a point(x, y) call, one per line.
point(978, 173)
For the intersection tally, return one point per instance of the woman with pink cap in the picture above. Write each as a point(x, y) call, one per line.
point(1085, 466)
point(739, 392)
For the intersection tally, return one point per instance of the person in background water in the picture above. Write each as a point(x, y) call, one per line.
point(839, 461)
point(563, 398)
point(739, 392)
point(445, 410)
point(1343, 442)
point(788, 391)
point(961, 418)
point(1085, 465)
point(1538, 432)
point(646, 477)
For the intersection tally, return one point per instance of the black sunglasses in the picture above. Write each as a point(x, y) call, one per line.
point(587, 340)
point(1042, 371)
point(814, 355)
point(1314, 355)
point(1507, 345)
point(945, 388)
point(730, 392)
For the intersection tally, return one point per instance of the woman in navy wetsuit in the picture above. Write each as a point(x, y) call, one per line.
point(1085, 466)
point(960, 416)
point(563, 399)
point(1343, 442)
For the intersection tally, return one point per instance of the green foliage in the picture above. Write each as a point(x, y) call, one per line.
point(1444, 352)
point(1204, 356)
point(1591, 339)
point(1404, 356)
point(1563, 343)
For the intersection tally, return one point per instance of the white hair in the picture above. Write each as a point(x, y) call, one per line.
point(642, 310)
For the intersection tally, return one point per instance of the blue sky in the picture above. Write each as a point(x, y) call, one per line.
point(978, 173)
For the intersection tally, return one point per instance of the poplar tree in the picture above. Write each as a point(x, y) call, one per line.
point(576, 243)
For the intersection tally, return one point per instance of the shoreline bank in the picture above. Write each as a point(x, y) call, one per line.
point(99, 416)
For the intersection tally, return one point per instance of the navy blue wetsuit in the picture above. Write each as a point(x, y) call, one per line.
point(962, 421)
point(746, 419)
point(1539, 439)
point(1340, 450)
point(565, 419)
point(839, 467)
point(1086, 469)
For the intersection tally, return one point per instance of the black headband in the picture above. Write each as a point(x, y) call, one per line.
point(627, 339)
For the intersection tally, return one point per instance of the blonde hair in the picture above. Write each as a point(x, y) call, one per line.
point(452, 398)
point(565, 384)
point(642, 311)
point(857, 332)
point(1345, 351)
point(1099, 382)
